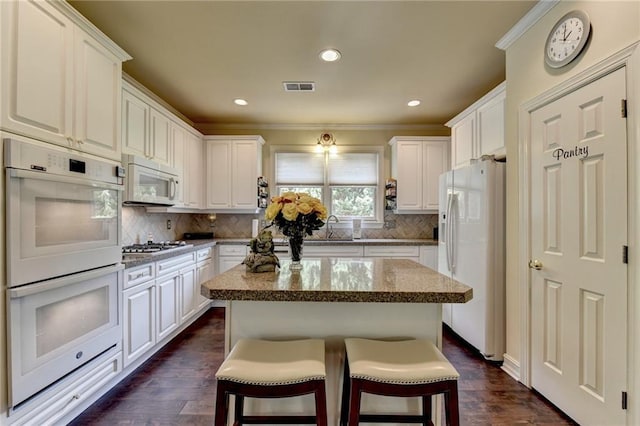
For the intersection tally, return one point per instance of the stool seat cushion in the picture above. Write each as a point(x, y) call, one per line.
point(262, 362)
point(398, 362)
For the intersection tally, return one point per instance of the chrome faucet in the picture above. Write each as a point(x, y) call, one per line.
point(328, 230)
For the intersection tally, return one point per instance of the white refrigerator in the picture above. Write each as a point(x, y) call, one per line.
point(471, 250)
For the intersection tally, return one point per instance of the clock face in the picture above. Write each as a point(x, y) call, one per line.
point(567, 39)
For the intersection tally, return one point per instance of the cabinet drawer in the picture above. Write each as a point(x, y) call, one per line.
point(139, 274)
point(204, 254)
point(233, 250)
point(174, 263)
point(392, 251)
point(332, 251)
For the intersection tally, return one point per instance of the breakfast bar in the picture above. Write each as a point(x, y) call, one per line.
point(332, 299)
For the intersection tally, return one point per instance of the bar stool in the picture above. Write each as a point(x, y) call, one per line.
point(272, 369)
point(408, 368)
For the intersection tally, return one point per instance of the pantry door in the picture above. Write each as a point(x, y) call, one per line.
point(578, 232)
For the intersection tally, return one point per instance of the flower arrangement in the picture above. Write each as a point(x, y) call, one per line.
point(296, 214)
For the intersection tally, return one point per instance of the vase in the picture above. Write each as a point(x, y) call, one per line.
point(295, 247)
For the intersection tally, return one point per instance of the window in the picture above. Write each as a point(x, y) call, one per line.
point(347, 182)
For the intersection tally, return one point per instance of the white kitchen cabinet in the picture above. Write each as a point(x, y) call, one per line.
point(417, 163)
point(188, 301)
point(168, 316)
point(429, 256)
point(204, 272)
point(397, 252)
point(233, 164)
point(139, 320)
point(61, 79)
point(479, 129)
point(194, 172)
point(146, 128)
point(230, 255)
point(179, 146)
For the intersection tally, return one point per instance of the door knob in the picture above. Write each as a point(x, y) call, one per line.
point(535, 264)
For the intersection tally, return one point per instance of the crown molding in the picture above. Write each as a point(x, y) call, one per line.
point(527, 21)
point(283, 126)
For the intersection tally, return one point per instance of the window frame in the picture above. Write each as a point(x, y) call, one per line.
point(378, 217)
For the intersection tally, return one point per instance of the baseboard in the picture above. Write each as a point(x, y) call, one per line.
point(511, 367)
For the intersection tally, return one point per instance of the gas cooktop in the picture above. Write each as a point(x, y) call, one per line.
point(151, 249)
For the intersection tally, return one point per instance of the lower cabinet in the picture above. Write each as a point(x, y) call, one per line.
point(167, 302)
point(139, 320)
point(159, 298)
point(230, 255)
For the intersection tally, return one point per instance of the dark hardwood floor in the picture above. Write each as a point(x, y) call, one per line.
point(177, 386)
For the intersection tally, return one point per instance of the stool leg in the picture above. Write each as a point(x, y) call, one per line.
point(239, 410)
point(321, 405)
point(451, 404)
point(344, 406)
point(426, 410)
point(222, 405)
point(354, 405)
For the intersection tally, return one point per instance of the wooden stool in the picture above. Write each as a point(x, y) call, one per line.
point(270, 369)
point(407, 368)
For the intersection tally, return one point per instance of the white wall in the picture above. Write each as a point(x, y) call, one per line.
point(615, 25)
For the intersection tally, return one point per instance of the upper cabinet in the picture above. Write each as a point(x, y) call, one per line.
point(417, 163)
point(479, 129)
point(233, 164)
point(61, 78)
point(146, 129)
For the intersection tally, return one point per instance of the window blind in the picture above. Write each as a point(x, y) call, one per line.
point(353, 169)
point(295, 168)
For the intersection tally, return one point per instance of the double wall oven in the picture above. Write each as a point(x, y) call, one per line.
point(63, 251)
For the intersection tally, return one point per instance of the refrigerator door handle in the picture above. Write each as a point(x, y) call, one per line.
point(453, 213)
point(448, 231)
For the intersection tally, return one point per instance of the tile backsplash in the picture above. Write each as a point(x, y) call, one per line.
point(138, 225)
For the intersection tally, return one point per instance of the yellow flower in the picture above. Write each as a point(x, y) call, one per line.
point(272, 211)
point(276, 199)
point(290, 211)
point(289, 197)
point(304, 208)
point(321, 211)
point(307, 199)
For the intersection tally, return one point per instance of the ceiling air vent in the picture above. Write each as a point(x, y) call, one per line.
point(299, 86)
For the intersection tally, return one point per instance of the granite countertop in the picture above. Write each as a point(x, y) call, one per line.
point(193, 245)
point(338, 242)
point(340, 280)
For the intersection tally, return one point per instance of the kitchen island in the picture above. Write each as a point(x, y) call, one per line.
point(334, 298)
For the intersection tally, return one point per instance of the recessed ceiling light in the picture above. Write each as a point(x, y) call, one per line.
point(330, 55)
point(413, 103)
point(240, 102)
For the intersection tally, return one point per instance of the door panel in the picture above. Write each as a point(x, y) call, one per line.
point(578, 229)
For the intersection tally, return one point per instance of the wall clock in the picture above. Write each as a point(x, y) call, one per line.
point(567, 39)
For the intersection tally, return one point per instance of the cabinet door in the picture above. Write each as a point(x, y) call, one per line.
point(204, 272)
point(463, 141)
point(37, 71)
point(195, 177)
point(219, 174)
point(429, 256)
point(179, 148)
point(135, 125)
point(98, 83)
point(244, 174)
point(161, 148)
point(139, 313)
point(168, 316)
point(436, 162)
point(491, 126)
point(226, 263)
point(409, 175)
point(187, 294)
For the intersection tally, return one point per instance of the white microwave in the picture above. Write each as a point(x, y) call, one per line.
point(149, 183)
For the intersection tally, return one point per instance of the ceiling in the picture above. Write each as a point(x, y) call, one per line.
point(198, 56)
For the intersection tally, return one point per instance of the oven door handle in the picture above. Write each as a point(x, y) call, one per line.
point(29, 289)
point(28, 174)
